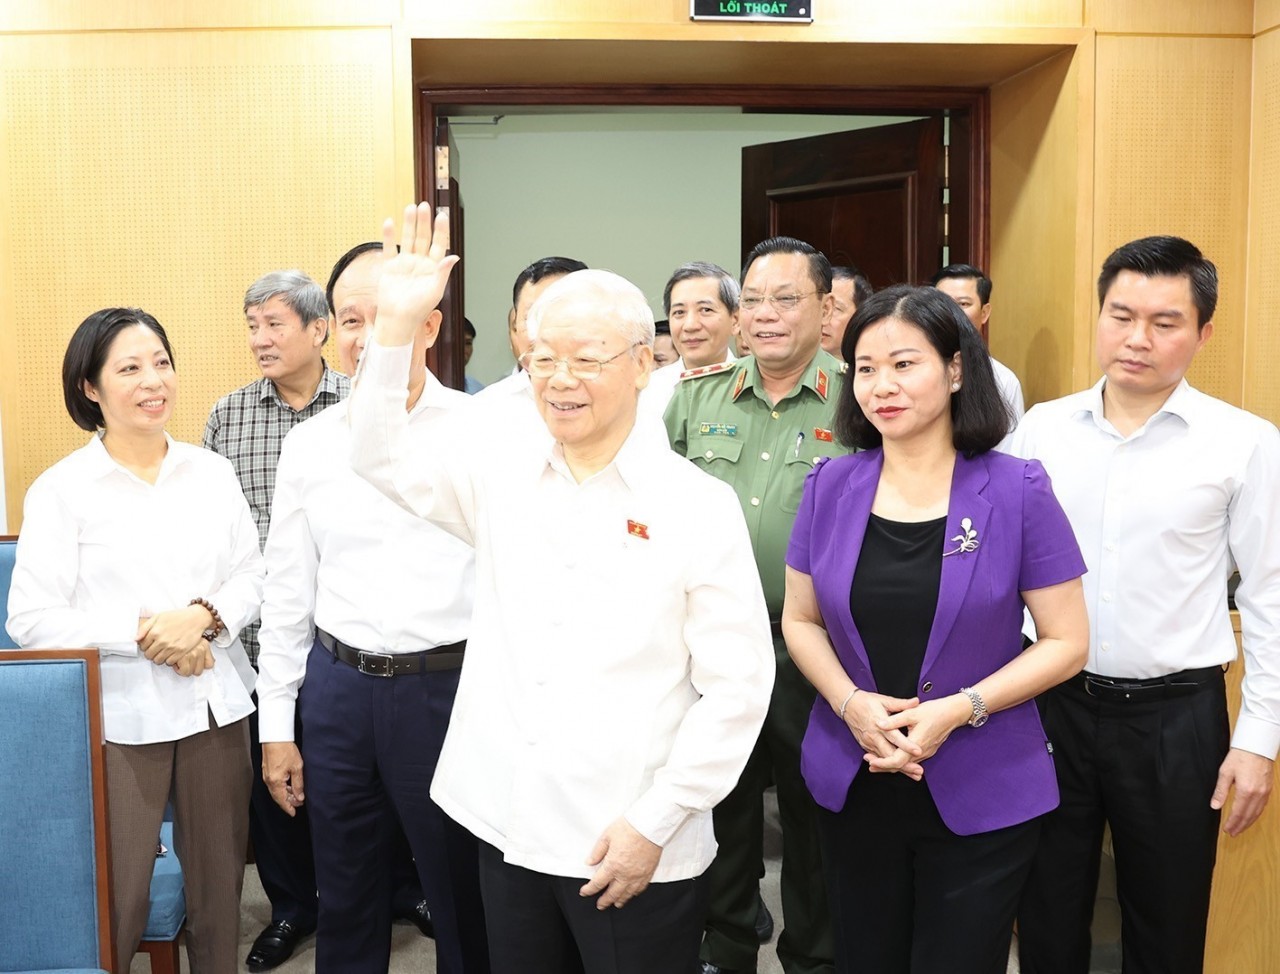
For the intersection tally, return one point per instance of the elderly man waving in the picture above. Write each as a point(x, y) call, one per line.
point(620, 662)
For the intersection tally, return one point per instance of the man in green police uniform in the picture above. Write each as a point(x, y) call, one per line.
point(760, 424)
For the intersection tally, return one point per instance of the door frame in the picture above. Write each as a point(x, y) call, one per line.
point(967, 106)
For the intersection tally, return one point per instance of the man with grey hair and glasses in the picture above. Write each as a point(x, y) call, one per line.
point(701, 305)
point(288, 322)
point(619, 663)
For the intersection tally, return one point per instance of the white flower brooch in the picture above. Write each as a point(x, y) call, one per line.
point(966, 540)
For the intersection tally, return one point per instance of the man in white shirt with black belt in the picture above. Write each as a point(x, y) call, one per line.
point(365, 621)
point(1167, 489)
point(619, 665)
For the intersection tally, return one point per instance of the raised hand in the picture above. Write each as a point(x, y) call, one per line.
point(413, 280)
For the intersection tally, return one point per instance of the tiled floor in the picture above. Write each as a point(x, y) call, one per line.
point(411, 953)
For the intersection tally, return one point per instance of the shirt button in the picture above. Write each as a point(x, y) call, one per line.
point(1105, 647)
point(1106, 596)
point(774, 414)
point(765, 455)
point(927, 687)
point(709, 454)
point(755, 502)
point(815, 459)
point(1111, 546)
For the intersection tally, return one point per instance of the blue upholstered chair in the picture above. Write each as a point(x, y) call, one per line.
point(53, 821)
point(168, 900)
point(8, 547)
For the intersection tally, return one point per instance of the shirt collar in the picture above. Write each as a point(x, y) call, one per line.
point(636, 461)
point(817, 378)
point(330, 383)
point(1181, 403)
point(102, 464)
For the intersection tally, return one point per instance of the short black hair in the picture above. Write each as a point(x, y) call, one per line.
point(979, 417)
point(541, 268)
point(966, 272)
point(87, 353)
point(662, 327)
point(1165, 257)
point(862, 288)
point(468, 327)
point(819, 266)
point(345, 261)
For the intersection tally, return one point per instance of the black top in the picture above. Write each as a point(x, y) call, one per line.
point(894, 596)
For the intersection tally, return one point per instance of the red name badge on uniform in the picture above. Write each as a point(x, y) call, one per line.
point(824, 435)
point(638, 530)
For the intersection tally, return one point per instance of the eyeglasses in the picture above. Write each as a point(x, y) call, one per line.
point(780, 302)
point(540, 365)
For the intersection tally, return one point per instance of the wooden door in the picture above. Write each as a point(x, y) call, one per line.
point(445, 357)
point(871, 198)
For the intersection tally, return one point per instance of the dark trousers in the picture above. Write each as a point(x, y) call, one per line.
point(281, 845)
point(539, 924)
point(805, 944)
point(908, 895)
point(1148, 769)
point(370, 748)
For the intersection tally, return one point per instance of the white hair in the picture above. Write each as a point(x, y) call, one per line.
point(631, 313)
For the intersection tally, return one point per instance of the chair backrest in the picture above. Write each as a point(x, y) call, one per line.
point(54, 884)
point(8, 551)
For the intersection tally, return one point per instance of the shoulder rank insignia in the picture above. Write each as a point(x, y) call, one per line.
point(705, 370)
point(821, 384)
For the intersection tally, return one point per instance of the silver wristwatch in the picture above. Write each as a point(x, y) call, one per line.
point(980, 714)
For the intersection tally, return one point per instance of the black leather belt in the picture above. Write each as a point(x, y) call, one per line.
point(1120, 690)
point(394, 664)
point(775, 628)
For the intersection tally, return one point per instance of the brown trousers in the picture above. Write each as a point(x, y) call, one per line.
point(210, 776)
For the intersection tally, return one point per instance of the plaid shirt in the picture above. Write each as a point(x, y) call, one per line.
point(248, 427)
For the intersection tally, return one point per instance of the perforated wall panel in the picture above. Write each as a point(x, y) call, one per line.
point(1173, 157)
point(1262, 341)
point(170, 182)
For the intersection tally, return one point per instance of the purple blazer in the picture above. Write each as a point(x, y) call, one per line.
point(982, 778)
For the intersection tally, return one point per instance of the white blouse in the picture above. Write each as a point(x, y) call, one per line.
point(101, 548)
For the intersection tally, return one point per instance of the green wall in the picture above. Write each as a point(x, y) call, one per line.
point(635, 192)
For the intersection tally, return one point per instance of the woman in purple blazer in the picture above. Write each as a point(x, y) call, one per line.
point(907, 573)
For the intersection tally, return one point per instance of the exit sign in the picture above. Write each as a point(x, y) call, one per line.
point(783, 11)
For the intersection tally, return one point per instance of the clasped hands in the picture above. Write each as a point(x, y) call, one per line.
point(899, 735)
point(176, 638)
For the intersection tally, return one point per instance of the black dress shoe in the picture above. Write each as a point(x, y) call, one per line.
point(420, 917)
point(274, 946)
point(764, 921)
point(706, 967)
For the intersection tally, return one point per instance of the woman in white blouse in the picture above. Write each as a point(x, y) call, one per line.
point(144, 548)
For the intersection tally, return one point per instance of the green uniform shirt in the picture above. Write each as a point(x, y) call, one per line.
point(721, 419)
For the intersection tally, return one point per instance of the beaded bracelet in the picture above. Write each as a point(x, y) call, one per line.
point(218, 626)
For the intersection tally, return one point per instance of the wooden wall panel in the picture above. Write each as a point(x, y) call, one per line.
point(1243, 935)
point(1166, 17)
point(1262, 340)
point(1266, 15)
point(169, 171)
point(1173, 157)
point(80, 15)
point(877, 14)
point(1039, 174)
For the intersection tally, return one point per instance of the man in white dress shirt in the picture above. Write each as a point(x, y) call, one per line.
point(1166, 489)
point(619, 664)
point(971, 289)
point(365, 621)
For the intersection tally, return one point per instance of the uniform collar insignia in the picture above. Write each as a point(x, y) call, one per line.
point(740, 384)
point(821, 384)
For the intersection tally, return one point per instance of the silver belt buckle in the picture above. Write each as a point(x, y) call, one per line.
point(375, 664)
